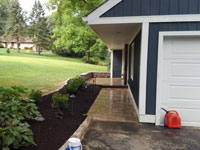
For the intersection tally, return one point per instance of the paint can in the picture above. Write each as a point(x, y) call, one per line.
point(74, 144)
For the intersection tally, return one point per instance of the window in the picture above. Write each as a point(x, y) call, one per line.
point(132, 61)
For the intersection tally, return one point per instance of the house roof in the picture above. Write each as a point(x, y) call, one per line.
point(22, 40)
point(95, 14)
point(117, 21)
point(140, 11)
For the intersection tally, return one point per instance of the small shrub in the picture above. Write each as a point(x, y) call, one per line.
point(14, 112)
point(71, 87)
point(91, 60)
point(8, 50)
point(74, 84)
point(36, 95)
point(1, 45)
point(85, 59)
point(96, 60)
point(26, 48)
point(60, 101)
point(80, 81)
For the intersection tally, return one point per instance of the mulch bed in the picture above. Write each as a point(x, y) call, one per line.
point(53, 132)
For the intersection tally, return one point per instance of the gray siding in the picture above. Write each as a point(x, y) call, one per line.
point(154, 30)
point(117, 63)
point(134, 84)
point(154, 7)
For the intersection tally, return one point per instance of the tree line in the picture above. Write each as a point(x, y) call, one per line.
point(63, 32)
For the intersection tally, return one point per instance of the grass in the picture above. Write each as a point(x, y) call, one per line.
point(46, 72)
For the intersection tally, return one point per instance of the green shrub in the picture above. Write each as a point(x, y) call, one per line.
point(8, 50)
point(91, 60)
point(74, 84)
point(96, 60)
point(80, 81)
point(85, 59)
point(27, 48)
point(36, 95)
point(1, 45)
point(60, 101)
point(14, 111)
point(71, 87)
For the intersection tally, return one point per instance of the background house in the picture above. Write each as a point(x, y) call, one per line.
point(25, 43)
point(155, 47)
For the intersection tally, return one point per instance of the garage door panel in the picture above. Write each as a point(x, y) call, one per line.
point(181, 78)
point(186, 92)
point(181, 104)
point(182, 47)
point(183, 71)
point(188, 70)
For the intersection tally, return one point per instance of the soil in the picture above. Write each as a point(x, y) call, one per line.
point(52, 133)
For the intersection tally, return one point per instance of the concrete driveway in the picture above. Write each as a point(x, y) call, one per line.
point(104, 135)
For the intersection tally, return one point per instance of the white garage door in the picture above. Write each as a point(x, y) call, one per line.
point(180, 80)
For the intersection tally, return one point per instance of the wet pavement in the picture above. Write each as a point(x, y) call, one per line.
point(106, 81)
point(114, 104)
point(134, 136)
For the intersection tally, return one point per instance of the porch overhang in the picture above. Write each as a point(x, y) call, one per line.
point(115, 36)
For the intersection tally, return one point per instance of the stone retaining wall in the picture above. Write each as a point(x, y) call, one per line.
point(88, 75)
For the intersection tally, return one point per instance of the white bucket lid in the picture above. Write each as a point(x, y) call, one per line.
point(74, 142)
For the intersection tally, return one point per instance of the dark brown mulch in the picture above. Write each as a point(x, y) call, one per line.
point(53, 132)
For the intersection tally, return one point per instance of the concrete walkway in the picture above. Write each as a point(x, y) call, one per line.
point(134, 136)
point(116, 127)
point(114, 104)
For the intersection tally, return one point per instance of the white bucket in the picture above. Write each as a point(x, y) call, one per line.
point(74, 144)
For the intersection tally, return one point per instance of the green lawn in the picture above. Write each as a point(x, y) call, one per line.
point(46, 72)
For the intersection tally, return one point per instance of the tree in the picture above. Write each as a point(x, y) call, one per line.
point(71, 32)
point(38, 27)
point(15, 24)
point(3, 15)
point(51, 39)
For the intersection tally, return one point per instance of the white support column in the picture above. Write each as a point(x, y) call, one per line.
point(143, 70)
point(123, 63)
point(111, 64)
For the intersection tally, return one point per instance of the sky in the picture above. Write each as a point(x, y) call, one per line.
point(28, 4)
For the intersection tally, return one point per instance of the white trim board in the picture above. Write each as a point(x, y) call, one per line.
point(142, 117)
point(95, 16)
point(147, 118)
point(143, 68)
point(160, 63)
point(135, 106)
point(111, 64)
point(142, 19)
point(101, 10)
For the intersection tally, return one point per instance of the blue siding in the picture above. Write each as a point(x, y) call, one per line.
point(153, 7)
point(193, 6)
point(173, 7)
point(145, 9)
point(136, 8)
point(154, 29)
point(117, 63)
point(164, 7)
point(134, 84)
